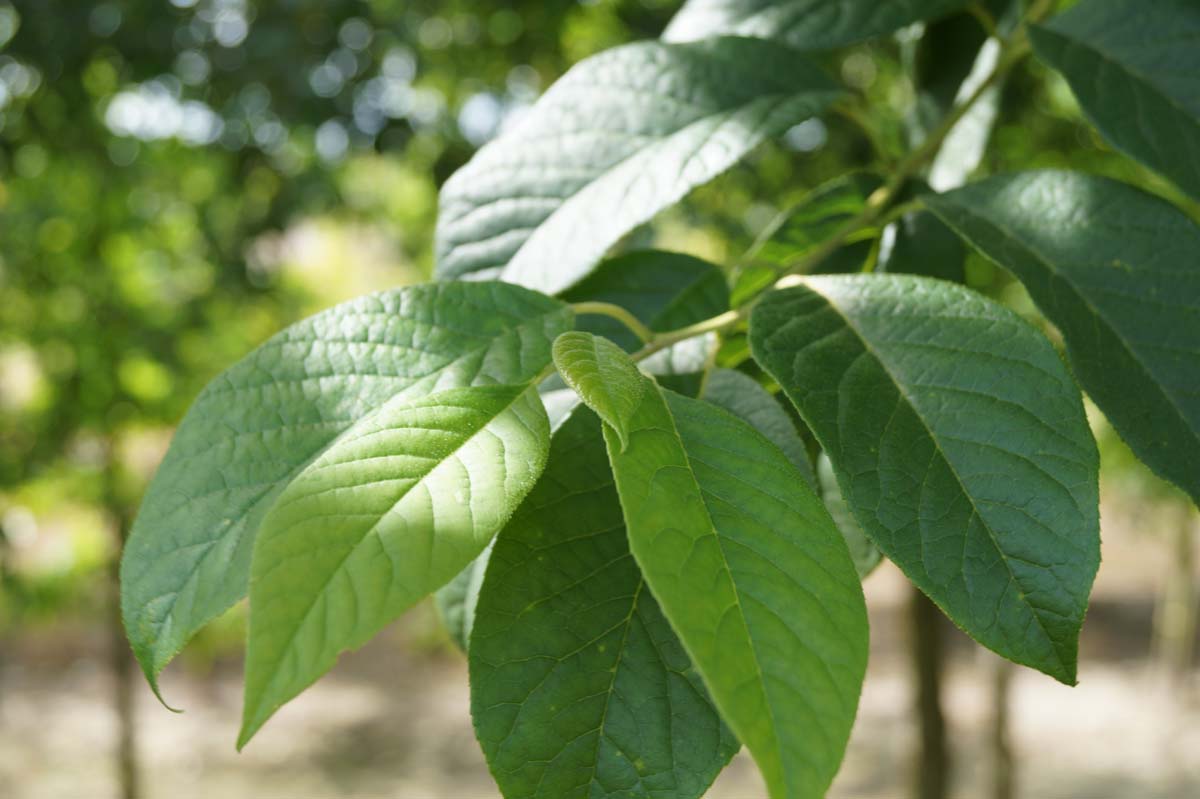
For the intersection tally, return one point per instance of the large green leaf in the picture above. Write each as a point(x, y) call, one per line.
point(754, 578)
point(621, 136)
point(960, 442)
point(1135, 68)
point(803, 24)
point(742, 396)
point(258, 425)
point(579, 687)
point(1118, 271)
point(664, 290)
point(602, 375)
point(398, 506)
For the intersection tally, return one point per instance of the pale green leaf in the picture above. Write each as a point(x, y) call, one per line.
point(803, 24)
point(258, 425)
point(579, 687)
point(959, 441)
point(1118, 271)
point(1135, 69)
point(621, 136)
point(602, 375)
point(398, 506)
point(746, 399)
point(754, 578)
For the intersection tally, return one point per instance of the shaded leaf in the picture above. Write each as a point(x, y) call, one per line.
point(746, 399)
point(579, 687)
point(959, 440)
point(863, 552)
point(1135, 69)
point(1118, 271)
point(456, 600)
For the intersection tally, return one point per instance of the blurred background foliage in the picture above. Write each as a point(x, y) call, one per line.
point(179, 179)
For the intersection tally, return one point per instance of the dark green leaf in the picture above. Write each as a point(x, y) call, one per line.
point(803, 24)
point(579, 687)
point(921, 244)
point(602, 375)
point(1135, 68)
point(400, 504)
point(262, 422)
point(960, 442)
point(621, 136)
point(755, 579)
point(742, 396)
point(1118, 271)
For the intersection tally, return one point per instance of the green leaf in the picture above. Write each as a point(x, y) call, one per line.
point(602, 375)
point(960, 442)
point(1135, 69)
point(746, 399)
point(1118, 271)
point(863, 552)
point(623, 135)
point(456, 600)
point(579, 687)
point(258, 425)
point(664, 290)
point(396, 508)
point(921, 244)
point(755, 580)
point(803, 24)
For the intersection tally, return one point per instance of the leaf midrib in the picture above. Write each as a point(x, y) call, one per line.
point(975, 511)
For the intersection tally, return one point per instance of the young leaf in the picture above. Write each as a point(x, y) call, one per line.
point(863, 552)
point(456, 600)
point(1118, 271)
point(742, 396)
point(1135, 69)
point(754, 578)
point(602, 375)
point(803, 24)
point(579, 687)
point(258, 425)
point(664, 290)
point(621, 136)
point(960, 442)
point(398, 506)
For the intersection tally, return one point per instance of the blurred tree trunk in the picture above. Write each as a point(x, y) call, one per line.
point(124, 669)
point(1176, 617)
point(931, 763)
point(1001, 761)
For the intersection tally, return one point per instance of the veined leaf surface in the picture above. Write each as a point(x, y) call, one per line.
point(398, 506)
point(1118, 271)
point(621, 136)
point(754, 578)
point(579, 687)
point(259, 424)
point(959, 440)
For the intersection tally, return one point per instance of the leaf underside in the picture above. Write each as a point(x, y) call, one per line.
point(621, 136)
